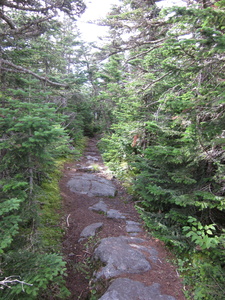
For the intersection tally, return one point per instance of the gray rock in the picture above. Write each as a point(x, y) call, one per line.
point(89, 157)
point(120, 257)
point(133, 223)
point(85, 169)
point(91, 185)
point(91, 230)
point(100, 206)
point(150, 252)
point(115, 214)
point(133, 227)
point(127, 289)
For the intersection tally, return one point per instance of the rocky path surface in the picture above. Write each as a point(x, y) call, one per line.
point(109, 254)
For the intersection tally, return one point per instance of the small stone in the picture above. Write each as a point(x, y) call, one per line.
point(85, 169)
point(115, 214)
point(91, 230)
point(132, 223)
point(89, 157)
point(100, 206)
point(133, 227)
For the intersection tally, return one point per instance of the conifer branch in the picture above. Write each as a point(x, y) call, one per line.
point(31, 8)
point(7, 20)
point(143, 53)
point(153, 82)
point(19, 69)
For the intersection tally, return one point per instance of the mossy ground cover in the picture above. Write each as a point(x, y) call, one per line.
point(50, 228)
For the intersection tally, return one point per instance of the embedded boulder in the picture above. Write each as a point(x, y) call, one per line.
point(127, 289)
point(121, 255)
point(99, 207)
point(91, 185)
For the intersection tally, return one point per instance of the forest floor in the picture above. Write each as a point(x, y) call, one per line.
point(77, 216)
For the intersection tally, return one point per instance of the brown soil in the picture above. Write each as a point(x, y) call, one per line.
point(78, 255)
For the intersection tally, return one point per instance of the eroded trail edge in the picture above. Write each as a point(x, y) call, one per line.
point(108, 252)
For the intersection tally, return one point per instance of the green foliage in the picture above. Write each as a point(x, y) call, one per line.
point(32, 139)
point(49, 202)
point(28, 130)
point(204, 277)
point(41, 270)
point(80, 118)
point(168, 131)
point(40, 124)
point(87, 266)
point(202, 236)
point(12, 196)
point(118, 152)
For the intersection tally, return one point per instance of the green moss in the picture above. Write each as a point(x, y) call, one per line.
point(50, 212)
point(49, 231)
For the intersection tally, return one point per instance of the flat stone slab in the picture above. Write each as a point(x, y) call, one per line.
point(127, 289)
point(91, 230)
point(89, 157)
point(99, 207)
point(115, 214)
point(133, 227)
point(121, 255)
point(150, 253)
point(91, 185)
point(89, 169)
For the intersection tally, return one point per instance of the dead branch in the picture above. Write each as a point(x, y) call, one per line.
point(20, 69)
point(7, 20)
point(67, 220)
point(8, 281)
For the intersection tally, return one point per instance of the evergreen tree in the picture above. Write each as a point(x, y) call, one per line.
point(173, 141)
point(37, 58)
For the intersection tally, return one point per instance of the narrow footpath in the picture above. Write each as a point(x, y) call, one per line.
point(108, 251)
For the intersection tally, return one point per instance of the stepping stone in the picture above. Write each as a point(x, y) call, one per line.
point(150, 253)
point(91, 230)
point(133, 227)
point(89, 157)
point(85, 169)
point(89, 169)
point(99, 207)
point(91, 185)
point(91, 153)
point(115, 214)
point(127, 289)
point(120, 257)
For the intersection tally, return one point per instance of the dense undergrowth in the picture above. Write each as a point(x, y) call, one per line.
point(33, 150)
point(166, 140)
point(193, 231)
point(35, 257)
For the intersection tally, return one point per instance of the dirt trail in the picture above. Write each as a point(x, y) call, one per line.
point(78, 216)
